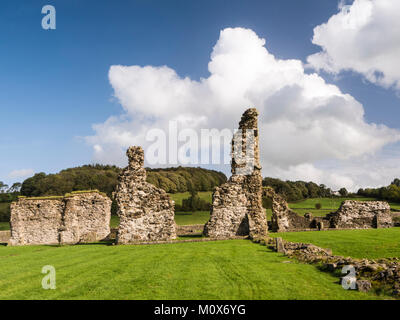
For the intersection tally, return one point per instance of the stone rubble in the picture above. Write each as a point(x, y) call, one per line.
point(383, 274)
point(146, 212)
point(237, 205)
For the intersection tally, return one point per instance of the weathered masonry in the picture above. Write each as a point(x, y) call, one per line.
point(146, 212)
point(350, 215)
point(237, 205)
point(74, 218)
point(361, 215)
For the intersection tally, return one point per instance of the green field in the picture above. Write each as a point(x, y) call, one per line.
point(4, 226)
point(187, 218)
point(235, 269)
point(178, 197)
point(4, 209)
point(181, 218)
point(327, 205)
point(370, 243)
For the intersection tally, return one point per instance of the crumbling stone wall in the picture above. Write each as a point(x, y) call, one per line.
point(350, 215)
point(146, 212)
point(237, 205)
point(36, 221)
point(79, 217)
point(283, 219)
point(86, 218)
point(362, 215)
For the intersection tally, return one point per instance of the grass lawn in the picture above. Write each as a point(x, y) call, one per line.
point(370, 243)
point(236, 269)
point(181, 218)
point(327, 203)
point(4, 226)
point(187, 218)
point(114, 222)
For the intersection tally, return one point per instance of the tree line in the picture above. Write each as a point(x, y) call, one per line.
point(297, 190)
point(389, 193)
point(104, 179)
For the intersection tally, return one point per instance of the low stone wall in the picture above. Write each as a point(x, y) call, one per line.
point(362, 215)
point(189, 229)
point(77, 217)
point(5, 236)
point(369, 274)
point(188, 240)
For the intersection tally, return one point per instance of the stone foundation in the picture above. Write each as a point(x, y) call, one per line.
point(237, 205)
point(193, 229)
point(77, 217)
point(146, 212)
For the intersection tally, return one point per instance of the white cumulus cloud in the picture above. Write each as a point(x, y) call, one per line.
point(21, 173)
point(363, 37)
point(303, 119)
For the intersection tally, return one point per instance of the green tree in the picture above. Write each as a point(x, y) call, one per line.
point(396, 182)
point(343, 192)
point(3, 187)
point(16, 187)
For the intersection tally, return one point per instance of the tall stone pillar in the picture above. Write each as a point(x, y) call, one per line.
point(146, 212)
point(237, 205)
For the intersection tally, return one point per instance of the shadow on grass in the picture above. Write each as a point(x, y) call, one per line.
point(191, 236)
point(104, 243)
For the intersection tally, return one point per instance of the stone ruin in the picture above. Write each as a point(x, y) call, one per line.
point(237, 205)
point(350, 215)
point(77, 217)
point(361, 215)
point(146, 212)
point(283, 218)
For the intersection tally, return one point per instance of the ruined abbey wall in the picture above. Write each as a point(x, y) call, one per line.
point(146, 212)
point(350, 215)
point(237, 205)
point(79, 217)
point(361, 215)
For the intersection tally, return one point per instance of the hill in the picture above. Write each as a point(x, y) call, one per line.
point(104, 178)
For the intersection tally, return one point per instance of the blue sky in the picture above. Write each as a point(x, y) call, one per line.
point(54, 84)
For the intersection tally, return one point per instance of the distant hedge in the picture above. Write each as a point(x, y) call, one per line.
point(389, 193)
point(297, 190)
point(104, 179)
